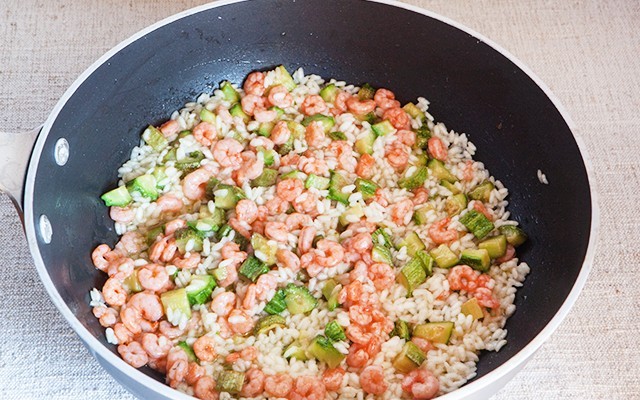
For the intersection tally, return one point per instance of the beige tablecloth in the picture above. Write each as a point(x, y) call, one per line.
point(587, 52)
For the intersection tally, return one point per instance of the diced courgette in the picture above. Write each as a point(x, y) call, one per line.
point(443, 256)
point(252, 268)
point(382, 238)
point(381, 254)
point(514, 235)
point(230, 381)
point(315, 181)
point(336, 183)
point(401, 329)
point(200, 288)
point(191, 355)
point(188, 240)
point(409, 358)
point(383, 128)
point(477, 223)
point(267, 251)
point(420, 216)
point(471, 307)
point(413, 243)
point(277, 304)
point(337, 135)
point(427, 261)
point(412, 275)
point(416, 179)
point(482, 192)
point(226, 196)
point(413, 111)
point(334, 331)
point(439, 171)
point(155, 138)
point(236, 111)
point(330, 291)
point(435, 332)
point(364, 144)
point(322, 349)
point(496, 246)
point(207, 116)
point(450, 187)
point(284, 78)
point(329, 93)
point(298, 299)
point(477, 259)
point(267, 178)
point(132, 282)
point(327, 121)
point(366, 92)
point(176, 301)
point(230, 94)
point(118, 197)
point(190, 162)
point(455, 204)
point(367, 187)
point(145, 185)
point(269, 322)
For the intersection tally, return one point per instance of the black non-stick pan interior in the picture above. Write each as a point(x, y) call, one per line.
point(472, 87)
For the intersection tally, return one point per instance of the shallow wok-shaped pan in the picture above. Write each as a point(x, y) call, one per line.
point(474, 87)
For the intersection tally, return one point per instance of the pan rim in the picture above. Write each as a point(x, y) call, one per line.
point(491, 378)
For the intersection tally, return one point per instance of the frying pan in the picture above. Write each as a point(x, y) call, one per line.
point(474, 87)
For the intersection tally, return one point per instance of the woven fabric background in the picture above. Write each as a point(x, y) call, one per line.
point(587, 52)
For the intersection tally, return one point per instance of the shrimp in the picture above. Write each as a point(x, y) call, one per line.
point(398, 118)
point(297, 221)
point(205, 133)
point(262, 115)
point(485, 298)
point(402, 211)
point(439, 234)
point(468, 171)
point(407, 137)
point(420, 196)
point(204, 348)
point(133, 354)
point(170, 331)
point(253, 383)
point(168, 203)
point(241, 227)
point(313, 104)
point(358, 334)
point(231, 250)
point(314, 135)
point(153, 277)
point(421, 384)
point(142, 307)
point(247, 211)
point(251, 168)
point(306, 203)
point(123, 215)
point(307, 388)
point(205, 389)
point(340, 103)
point(249, 300)
point(231, 274)
point(360, 107)
point(240, 322)
point(332, 378)
point(288, 259)
point(263, 142)
point(174, 225)
point(280, 134)
point(372, 380)
point(279, 96)
point(437, 149)
point(163, 250)
point(265, 284)
point(511, 252)
point(101, 256)
point(194, 184)
point(278, 385)
point(227, 153)
point(114, 293)
point(380, 198)
point(254, 84)
point(170, 128)
point(194, 373)
point(223, 303)
point(397, 155)
point(312, 165)
point(276, 231)
point(305, 239)
point(360, 243)
point(463, 277)
point(107, 316)
point(177, 366)
point(385, 99)
point(190, 262)
point(289, 189)
point(223, 114)
point(423, 344)
point(333, 253)
point(308, 262)
point(343, 151)
point(360, 314)
point(156, 346)
point(123, 334)
point(130, 243)
point(480, 207)
point(382, 275)
point(249, 353)
point(364, 169)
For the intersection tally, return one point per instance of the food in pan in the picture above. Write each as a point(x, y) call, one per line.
point(303, 239)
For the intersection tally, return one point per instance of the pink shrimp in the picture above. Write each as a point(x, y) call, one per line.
point(305, 239)
point(249, 353)
point(385, 99)
point(407, 137)
point(240, 322)
point(313, 104)
point(360, 314)
point(307, 388)
point(223, 303)
point(205, 389)
point(252, 103)
point(141, 307)
point(313, 165)
point(332, 378)
point(309, 263)
point(153, 277)
point(382, 275)
point(227, 153)
point(123, 215)
point(205, 133)
point(231, 274)
point(297, 221)
point(364, 169)
point(223, 113)
point(240, 227)
point(131, 242)
point(172, 226)
point(343, 151)
point(168, 203)
point(204, 348)
point(463, 277)
point(289, 189)
point(278, 385)
point(107, 316)
point(468, 171)
point(397, 155)
point(277, 206)
point(261, 115)
point(279, 96)
point(170, 331)
point(170, 128)
point(360, 107)
point(306, 203)
point(280, 134)
point(249, 299)
point(194, 373)
point(360, 243)
point(372, 380)
point(357, 357)
point(163, 250)
point(439, 234)
point(276, 231)
point(486, 298)
point(398, 118)
point(156, 346)
point(253, 383)
point(194, 184)
point(251, 168)
point(123, 334)
point(380, 198)
point(333, 253)
point(423, 344)
point(231, 250)
point(254, 84)
point(420, 196)
point(358, 333)
point(402, 211)
point(480, 207)
point(266, 284)
point(114, 293)
point(437, 149)
point(511, 252)
point(247, 211)
point(314, 135)
point(261, 141)
point(101, 256)
point(133, 354)
point(288, 259)
point(421, 384)
point(189, 262)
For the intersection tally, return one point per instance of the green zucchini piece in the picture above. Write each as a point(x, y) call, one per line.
point(420, 215)
point(477, 259)
point(471, 307)
point(145, 185)
point(412, 275)
point(514, 235)
point(207, 116)
point(284, 78)
point(252, 268)
point(329, 93)
point(154, 138)
point(482, 192)
point(293, 174)
point(230, 381)
point(277, 304)
point(118, 197)
point(330, 294)
point(401, 329)
point(170, 156)
point(423, 134)
point(200, 288)
point(450, 187)
point(267, 155)
point(351, 215)
point(435, 332)
point(264, 129)
point(477, 224)
point(153, 233)
point(176, 301)
point(443, 256)
point(318, 182)
point(322, 349)
point(191, 355)
point(369, 117)
point(297, 130)
point(227, 196)
point(133, 283)
point(413, 243)
point(334, 331)
point(268, 251)
point(236, 111)
point(366, 187)
point(409, 358)
point(159, 172)
point(427, 261)
point(269, 322)
point(230, 93)
point(366, 92)
point(327, 121)
point(298, 299)
point(337, 135)
point(383, 128)
point(188, 238)
point(336, 183)
point(439, 171)
point(455, 204)
point(421, 160)
point(191, 162)
point(364, 144)
point(416, 179)
point(382, 238)
point(267, 178)
point(381, 254)
point(496, 246)
point(295, 350)
point(413, 111)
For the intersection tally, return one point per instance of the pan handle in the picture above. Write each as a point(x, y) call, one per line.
point(15, 151)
